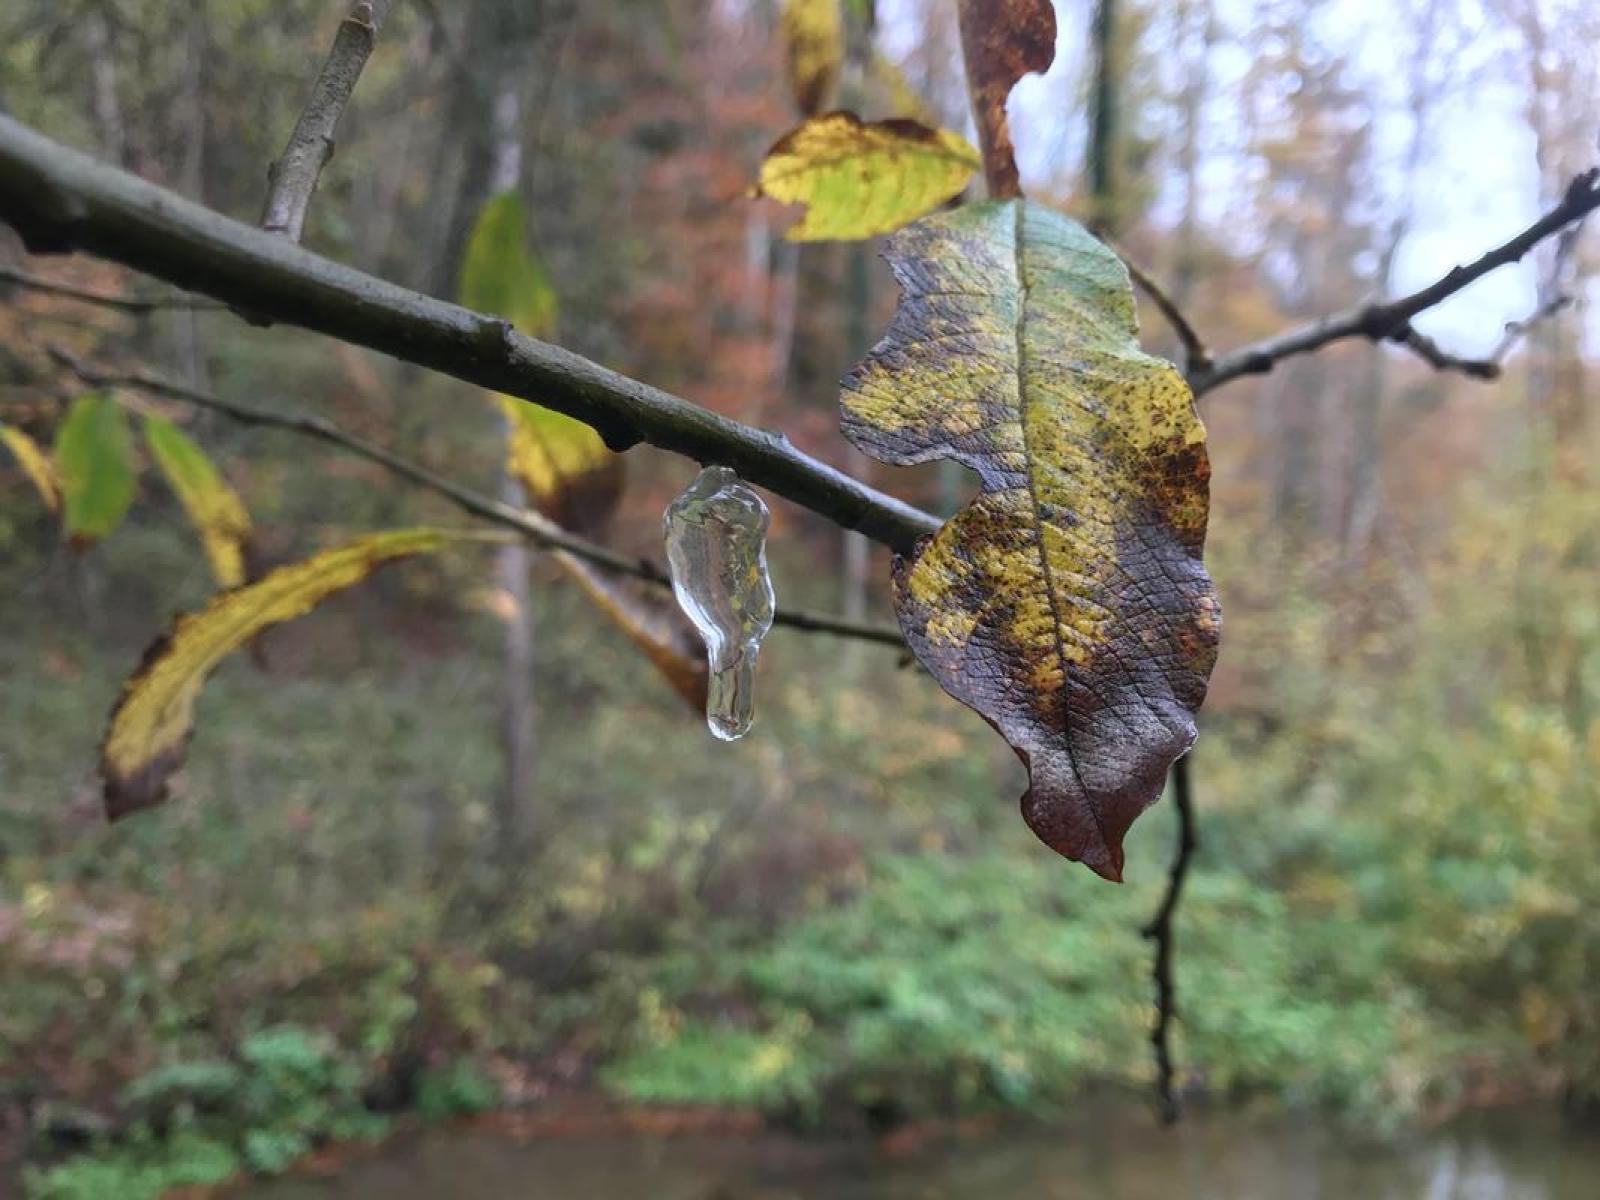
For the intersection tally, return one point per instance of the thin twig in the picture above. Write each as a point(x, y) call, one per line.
point(1196, 355)
point(293, 178)
point(132, 304)
point(1160, 931)
point(535, 527)
point(1391, 320)
point(60, 200)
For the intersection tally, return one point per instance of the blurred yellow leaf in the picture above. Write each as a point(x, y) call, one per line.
point(859, 179)
point(216, 510)
point(35, 464)
point(563, 465)
point(151, 725)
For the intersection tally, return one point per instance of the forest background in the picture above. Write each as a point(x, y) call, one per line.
point(838, 920)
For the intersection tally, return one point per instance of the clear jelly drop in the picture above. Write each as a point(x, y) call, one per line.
point(716, 534)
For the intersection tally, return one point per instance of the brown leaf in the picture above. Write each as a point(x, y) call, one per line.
point(652, 623)
point(1003, 40)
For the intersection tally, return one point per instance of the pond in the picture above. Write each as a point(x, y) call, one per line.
point(1111, 1157)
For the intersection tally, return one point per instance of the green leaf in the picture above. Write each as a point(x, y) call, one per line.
point(94, 460)
point(216, 510)
point(1067, 603)
point(150, 727)
point(498, 274)
point(861, 179)
point(35, 464)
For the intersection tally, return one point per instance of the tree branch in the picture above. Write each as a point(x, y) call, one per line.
point(60, 200)
point(1196, 355)
point(293, 178)
point(533, 526)
point(131, 304)
point(1391, 320)
point(1160, 931)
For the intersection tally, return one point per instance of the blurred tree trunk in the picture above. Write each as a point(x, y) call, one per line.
point(192, 180)
point(1104, 106)
point(109, 125)
point(486, 112)
point(1191, 105)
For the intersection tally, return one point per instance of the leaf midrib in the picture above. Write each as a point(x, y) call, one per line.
point(1019, 208)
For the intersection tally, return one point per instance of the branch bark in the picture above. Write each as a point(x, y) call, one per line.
point(533, 526)
point(293, 178)
point(61, 200)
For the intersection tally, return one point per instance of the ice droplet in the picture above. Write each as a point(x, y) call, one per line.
point(716, 534)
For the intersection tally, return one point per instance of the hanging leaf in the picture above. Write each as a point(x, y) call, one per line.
point(94, 461)
point(216, 510)
point(813, 49)
point(499, 275)
point(859, 178)
point(151, 725)
point(1067, 603)
point(1003, 40)
point(35, 464)
point(563, 465)
point(652, 622)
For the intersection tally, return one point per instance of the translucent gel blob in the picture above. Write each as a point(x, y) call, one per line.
point(716, 534)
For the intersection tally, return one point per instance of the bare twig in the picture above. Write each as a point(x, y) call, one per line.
point(533, 526)
point(132, 304)
point(293, 178)
point(1160, 931)
point(1196, 355)
point(1391, 320)
point(60, 200)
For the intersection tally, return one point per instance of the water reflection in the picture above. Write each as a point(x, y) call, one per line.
point(1110, 1158)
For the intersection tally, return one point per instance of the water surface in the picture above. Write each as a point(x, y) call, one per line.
point(1121, 1157)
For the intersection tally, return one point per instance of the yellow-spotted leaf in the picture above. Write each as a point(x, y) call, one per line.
point(562, 464)
point(813, 49)
point(35, 464)
point(1067, 603)
point(652, 622)
point(860, 178)
point(151, 725)
point(94, 462)
point(216, 510)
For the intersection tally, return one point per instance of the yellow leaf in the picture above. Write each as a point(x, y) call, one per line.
point(216, 510)
point(563, 465)
point(1067, 603)
point(652, 622)
point(813, 48)
point(861, 179)
point(151, 725)
point(35, 464)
